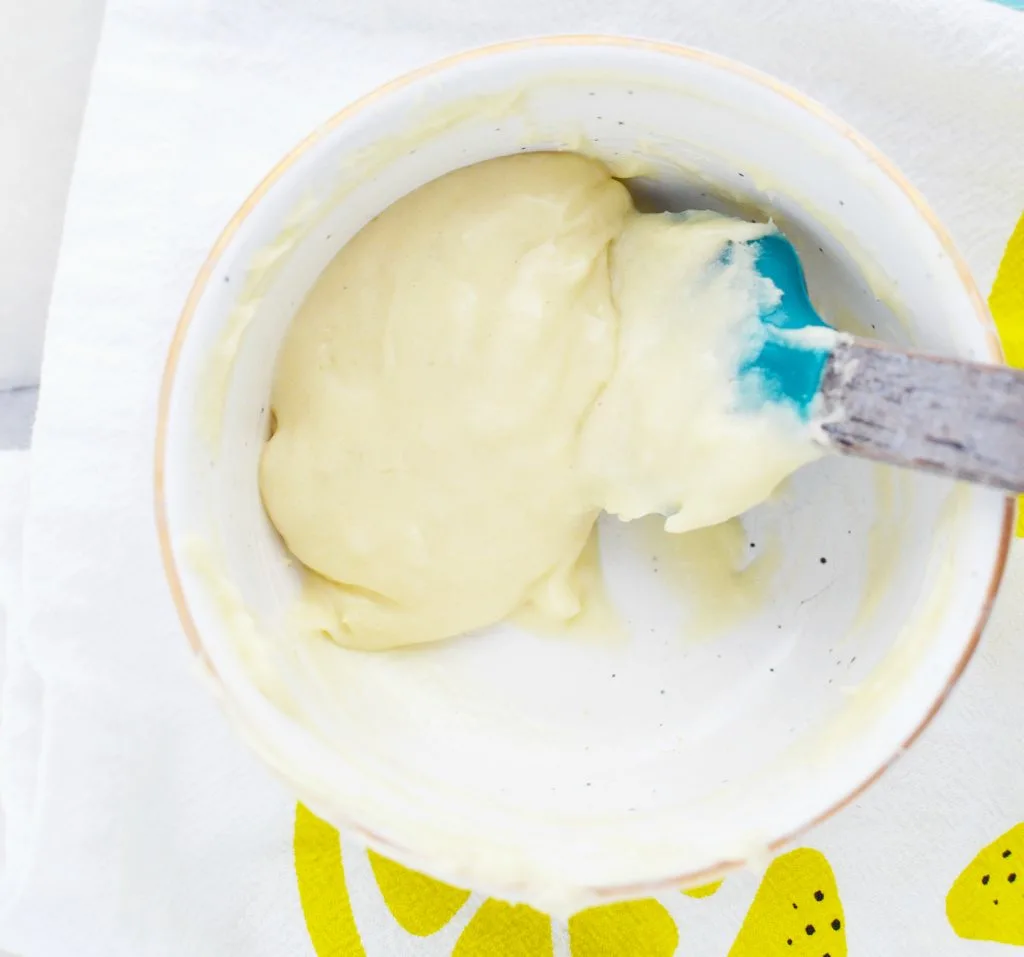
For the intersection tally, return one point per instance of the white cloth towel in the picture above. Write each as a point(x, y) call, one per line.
point(19, 693)
point(136, 824)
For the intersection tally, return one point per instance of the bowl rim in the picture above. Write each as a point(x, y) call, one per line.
point(871, 152)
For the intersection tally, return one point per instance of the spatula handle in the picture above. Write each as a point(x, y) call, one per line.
point(960, 419)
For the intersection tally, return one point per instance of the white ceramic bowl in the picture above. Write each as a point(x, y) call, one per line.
point(562, 771)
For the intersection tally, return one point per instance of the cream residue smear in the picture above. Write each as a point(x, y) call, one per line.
point(718, 577)
point(489, 364)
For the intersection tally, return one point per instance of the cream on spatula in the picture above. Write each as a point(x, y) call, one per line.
point(961, 419)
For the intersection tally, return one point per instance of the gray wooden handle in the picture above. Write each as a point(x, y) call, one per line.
point(961, 419)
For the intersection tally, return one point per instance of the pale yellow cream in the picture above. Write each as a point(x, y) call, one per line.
point(483, 369)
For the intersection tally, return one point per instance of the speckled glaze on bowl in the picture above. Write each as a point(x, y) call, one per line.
point(564, 772)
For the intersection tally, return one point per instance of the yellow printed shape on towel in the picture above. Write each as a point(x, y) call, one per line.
point(705, 890)
point(505, 930)
point(420, 904)
point(640, 928)
point(322, 889)
point(1007, 304)
point(796, 911)
point(986, 902)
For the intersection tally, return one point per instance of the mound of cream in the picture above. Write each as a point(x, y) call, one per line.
point(489, 364)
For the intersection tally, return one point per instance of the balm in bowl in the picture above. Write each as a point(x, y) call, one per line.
point(562, 770)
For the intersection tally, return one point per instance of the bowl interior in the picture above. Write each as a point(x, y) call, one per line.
point(741, 706)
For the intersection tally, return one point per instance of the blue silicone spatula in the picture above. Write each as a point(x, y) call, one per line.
point(961, 419)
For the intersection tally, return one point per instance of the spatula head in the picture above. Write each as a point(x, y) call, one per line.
point(785, 367)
